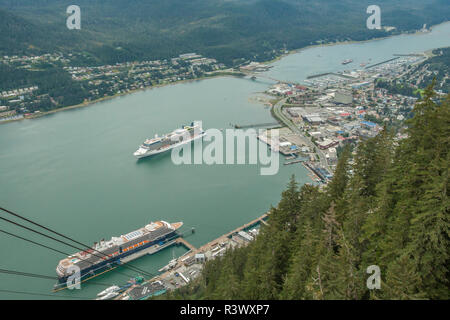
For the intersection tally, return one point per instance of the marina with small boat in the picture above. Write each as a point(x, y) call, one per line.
point(95, 188)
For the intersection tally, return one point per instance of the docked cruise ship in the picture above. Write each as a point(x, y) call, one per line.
point(108, 254)
point(178, 137)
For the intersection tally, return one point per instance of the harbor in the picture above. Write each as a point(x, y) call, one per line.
point(94, 162)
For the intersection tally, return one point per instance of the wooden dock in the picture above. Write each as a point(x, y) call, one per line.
point(222, 238)
point(183, 241)
point(247, 225)
point(193, 250)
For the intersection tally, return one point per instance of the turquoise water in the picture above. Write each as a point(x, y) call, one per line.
point(314, 60)
point(74, 170)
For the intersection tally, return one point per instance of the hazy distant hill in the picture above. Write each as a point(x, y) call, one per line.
point(19, 35)
point(118, 30)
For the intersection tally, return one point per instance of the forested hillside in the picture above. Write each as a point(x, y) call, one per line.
point(439, 64)
point(413, 82)
point(387, 205)
point(118, 30)
point(56, 85)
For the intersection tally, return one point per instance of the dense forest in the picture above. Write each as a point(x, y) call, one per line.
point(398, 87)
point(387, 205)
point(53, 82)
point(230, 31)
point(440, 65)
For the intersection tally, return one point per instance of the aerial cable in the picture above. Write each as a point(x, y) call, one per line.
point(136, 269)
point(42, 245)
point(40, 276)
point(50, 248)
point(44, 294)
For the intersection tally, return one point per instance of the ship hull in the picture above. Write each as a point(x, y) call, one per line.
point(155, 152)
point(123, 258)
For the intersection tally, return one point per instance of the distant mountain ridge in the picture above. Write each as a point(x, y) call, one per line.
point(224, 29)
point(17, 33)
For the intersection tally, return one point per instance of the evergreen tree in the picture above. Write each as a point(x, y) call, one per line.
point(391, 211)
point(338, 185)
point(403, 282)
point(296, 280)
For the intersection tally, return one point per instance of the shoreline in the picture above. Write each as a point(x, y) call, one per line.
point(117, 95)
point(217, 75)
point(294, 51)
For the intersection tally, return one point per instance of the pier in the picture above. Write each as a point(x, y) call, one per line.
point(183, 241)
point(257, 125)
point(328, 74)
point(318, 75)
point(241, 228)
point(408, 54)
point(382, 62)
point(222, 238)
point(294, 161)
point(216, 246)
point(254, 76)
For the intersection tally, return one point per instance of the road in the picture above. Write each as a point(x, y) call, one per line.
point(279, 114)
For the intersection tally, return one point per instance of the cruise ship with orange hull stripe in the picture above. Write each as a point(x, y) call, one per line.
point(177, 138)
point(106, 255)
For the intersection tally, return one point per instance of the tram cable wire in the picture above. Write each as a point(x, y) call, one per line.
point(33, 242)
point(68, 244)
point(136, 269)
point(44, 294)
point(41, 276)
point(50, 248)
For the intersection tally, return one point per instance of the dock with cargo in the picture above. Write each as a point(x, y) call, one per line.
point(220, 239)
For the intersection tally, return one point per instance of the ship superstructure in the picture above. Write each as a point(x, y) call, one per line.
point(178, 137)
point(106, 254)
point(347, 61)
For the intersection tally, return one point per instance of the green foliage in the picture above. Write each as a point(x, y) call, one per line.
point(54, 83)
point(439, 65)
point(436, 68)
point(396, 87)
point(392, 210)
point(230, 31)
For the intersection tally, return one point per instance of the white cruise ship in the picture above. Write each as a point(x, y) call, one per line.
point(178, 137)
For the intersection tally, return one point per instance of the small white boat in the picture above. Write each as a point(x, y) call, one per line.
point(108, 296)
point(108, 290)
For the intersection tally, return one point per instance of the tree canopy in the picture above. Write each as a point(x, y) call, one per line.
point(389, 208)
